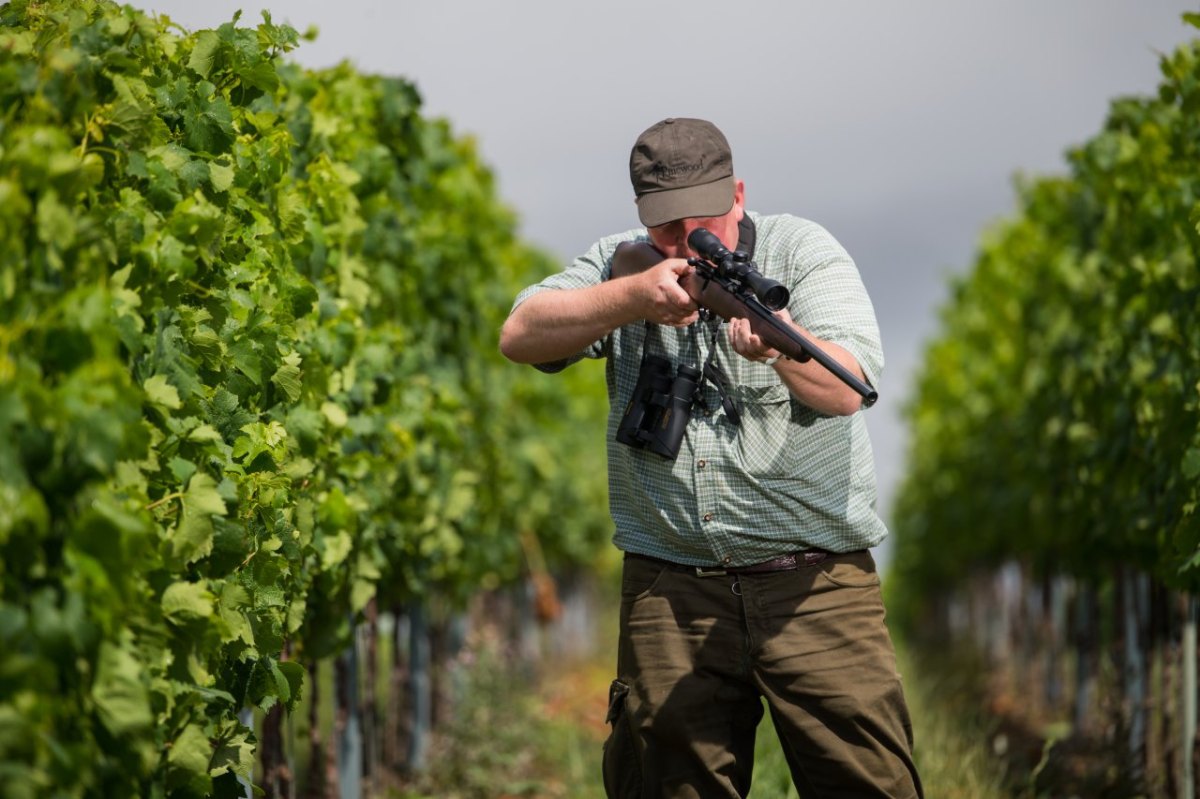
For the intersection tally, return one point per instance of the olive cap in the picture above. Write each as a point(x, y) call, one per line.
point(681, 168)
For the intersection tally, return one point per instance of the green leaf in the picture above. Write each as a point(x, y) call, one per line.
point(260, 438)
point(293, 216)
point(204, 53)
point(231, 607)
point(193, 537)
point(193, 175)
point(287, 376)
point(335, 414)
point(182, 468)
point(198, 222)
point(208, 122)
point(134, 110)
point(260, 75)
point(220, 176)
point(270, 684)
point(56, 225)
point(294, 673)
point(283, 688)
point(227, 415)
point(171, 156)
point(184, 601)
point(17, 42)
point(202, 497)
point(335, 549)
point(234, 753)
point(191, 751)
point(205, 432)
point(1191, 463)
point(245, 358)
point(120, 695)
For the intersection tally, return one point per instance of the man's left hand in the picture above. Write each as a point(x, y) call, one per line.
point(748, 344)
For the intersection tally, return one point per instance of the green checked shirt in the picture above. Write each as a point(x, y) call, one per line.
point(787, 477)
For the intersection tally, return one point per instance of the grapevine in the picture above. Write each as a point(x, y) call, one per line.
point(1057, 418)
point(248, 382)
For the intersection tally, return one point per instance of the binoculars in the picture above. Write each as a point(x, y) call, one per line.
point(658, 412)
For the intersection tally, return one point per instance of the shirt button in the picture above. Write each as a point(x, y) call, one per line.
point(700, 463)
point(727, 559)
point(708, 517)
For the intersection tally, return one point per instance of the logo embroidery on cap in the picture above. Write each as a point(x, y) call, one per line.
point(664, 171)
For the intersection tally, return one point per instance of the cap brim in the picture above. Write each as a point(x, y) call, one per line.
point(710, 199)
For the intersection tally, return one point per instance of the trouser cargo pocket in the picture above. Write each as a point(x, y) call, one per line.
point(622, 762)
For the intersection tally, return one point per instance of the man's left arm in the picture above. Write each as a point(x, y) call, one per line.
point(829, 307)
point(809, 382)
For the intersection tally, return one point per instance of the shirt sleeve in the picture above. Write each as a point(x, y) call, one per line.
point(831, 302)
point(589, 269)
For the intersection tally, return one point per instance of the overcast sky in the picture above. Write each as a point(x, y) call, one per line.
point(899, 126)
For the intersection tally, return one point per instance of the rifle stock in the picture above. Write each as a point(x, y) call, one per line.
point(708, 292)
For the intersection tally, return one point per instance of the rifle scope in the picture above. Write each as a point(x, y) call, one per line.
point(738, 266)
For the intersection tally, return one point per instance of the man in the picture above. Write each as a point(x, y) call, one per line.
point(747, 573)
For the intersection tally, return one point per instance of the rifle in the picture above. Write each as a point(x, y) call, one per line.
point(729, 285)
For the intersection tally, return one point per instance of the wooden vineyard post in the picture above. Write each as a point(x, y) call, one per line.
point(1188, 726)
point(420, 687)
point(348, 726)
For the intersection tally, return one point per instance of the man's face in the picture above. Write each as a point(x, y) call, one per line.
point(671, 239)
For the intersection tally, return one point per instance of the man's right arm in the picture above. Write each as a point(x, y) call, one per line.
point(556, 324)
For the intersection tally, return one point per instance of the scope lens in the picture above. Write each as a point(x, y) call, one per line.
point(776, 297)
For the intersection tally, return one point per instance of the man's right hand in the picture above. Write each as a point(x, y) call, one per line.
point(553, 325)
point(666, 301)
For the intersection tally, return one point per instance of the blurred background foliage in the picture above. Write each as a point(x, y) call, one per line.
point(248, 382)
point(1057, 417)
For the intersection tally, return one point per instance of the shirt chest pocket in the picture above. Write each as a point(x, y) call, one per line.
point(754, 381)
point(766, 407)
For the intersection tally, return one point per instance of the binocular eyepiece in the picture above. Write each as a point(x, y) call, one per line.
point(738, 265)
point(658, 412)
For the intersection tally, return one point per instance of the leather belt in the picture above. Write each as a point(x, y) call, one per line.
point(788, 562)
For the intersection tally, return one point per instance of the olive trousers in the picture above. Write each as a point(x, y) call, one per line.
point(698, 654)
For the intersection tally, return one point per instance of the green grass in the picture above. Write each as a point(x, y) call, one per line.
point(953, 738)
point(512, 739)
point(508, 740)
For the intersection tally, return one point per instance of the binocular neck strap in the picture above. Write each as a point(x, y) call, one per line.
point(711, 372)
point(747, 236)
point(716, 375)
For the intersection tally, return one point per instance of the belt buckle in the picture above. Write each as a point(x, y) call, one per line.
point(701, 571)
